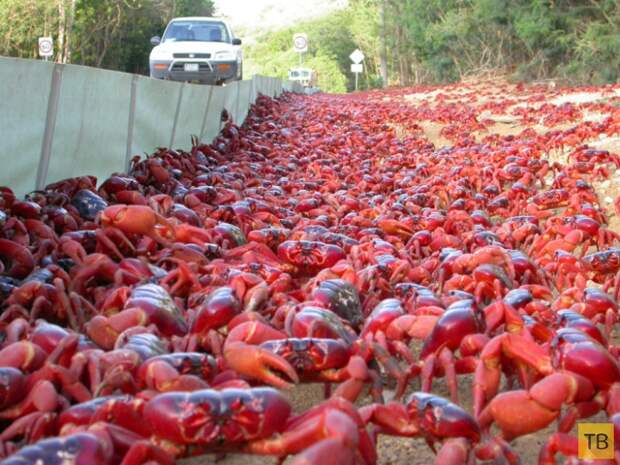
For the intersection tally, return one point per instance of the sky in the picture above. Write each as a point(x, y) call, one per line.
point(252, 17)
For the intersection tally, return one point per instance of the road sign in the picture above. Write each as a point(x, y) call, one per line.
point(46, 47)
point(357, 56)
point(300, 42)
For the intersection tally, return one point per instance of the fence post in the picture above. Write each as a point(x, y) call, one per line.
point(50, 126)
point(130, 120)
point(176, 115)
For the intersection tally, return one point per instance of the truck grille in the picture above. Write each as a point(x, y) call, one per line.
point(193, 55)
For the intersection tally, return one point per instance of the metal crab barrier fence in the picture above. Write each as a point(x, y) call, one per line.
point(60, 121)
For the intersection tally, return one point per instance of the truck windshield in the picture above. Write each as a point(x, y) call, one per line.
point(196, 31)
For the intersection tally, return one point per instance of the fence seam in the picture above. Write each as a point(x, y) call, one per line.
point(131, 118)
point(220, 122)
point(176, 115)
point(50, 126)
point(238, 121)
point(250, 99)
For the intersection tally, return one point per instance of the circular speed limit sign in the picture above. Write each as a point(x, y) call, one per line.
point(300, 43)
point(46, 46)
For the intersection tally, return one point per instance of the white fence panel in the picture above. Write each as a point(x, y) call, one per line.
point(156, 103)
point(213, 120)
point(191, 116)
point(243, 100)
point(24, 96)
point(90, 136)
point(230, 100)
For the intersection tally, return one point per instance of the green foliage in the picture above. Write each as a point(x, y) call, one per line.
point(596, 56)
point(193, 8)
point(23, 22)
point(426, 40)
point(330, 75)
point(447, 40)
point(331, 41)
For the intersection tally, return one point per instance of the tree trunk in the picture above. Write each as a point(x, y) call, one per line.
point(69, 32)
point(61, 31)
point(45, 23)
point(383, 46)
point(112, 25)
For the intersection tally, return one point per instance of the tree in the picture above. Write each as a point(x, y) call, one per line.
point(23, 22)
point(383, 46)
point(192, 8)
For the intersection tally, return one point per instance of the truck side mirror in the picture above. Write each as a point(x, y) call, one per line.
point(236, 41)
point(155, 40)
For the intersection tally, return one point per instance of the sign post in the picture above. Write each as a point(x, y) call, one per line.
point(357, 57)
point(46, 47)
point(300, 44)
point(356, 68)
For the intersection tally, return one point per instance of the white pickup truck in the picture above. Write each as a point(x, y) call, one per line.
point(197, 49)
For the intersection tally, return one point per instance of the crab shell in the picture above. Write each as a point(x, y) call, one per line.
point(217, 419)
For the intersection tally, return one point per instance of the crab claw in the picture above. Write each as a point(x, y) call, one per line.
point(19, 258)
point(259, 363)
point(395, 227)
point(137, 219)
point(23, 355)
point(32, 426)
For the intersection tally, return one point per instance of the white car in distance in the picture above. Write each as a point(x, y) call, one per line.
point(197, 49)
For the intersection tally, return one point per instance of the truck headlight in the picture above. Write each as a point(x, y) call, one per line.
point(224, 55)
point(157, 54)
